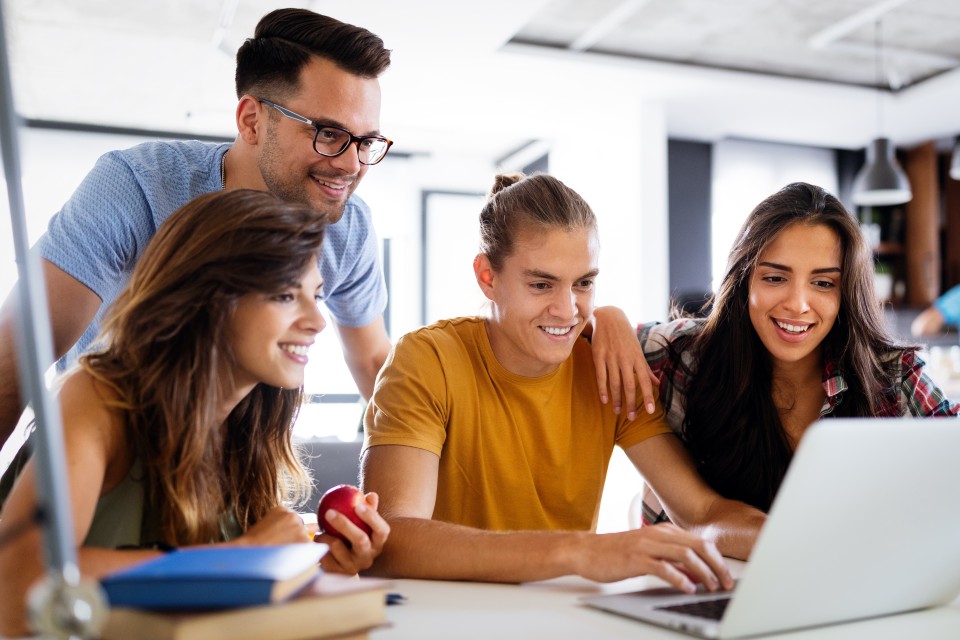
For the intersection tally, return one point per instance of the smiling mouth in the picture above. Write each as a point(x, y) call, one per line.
point(340, 184)
point(794, 329)
point(330, 185)
point(556, 331)
point(296, 349)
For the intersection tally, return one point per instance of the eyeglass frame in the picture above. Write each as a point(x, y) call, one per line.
point(317, 127)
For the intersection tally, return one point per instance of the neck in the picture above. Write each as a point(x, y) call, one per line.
point(240, 168)
point(806, 371)
point(230, 401)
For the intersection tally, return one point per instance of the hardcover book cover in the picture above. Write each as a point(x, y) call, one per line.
point(216, 577)
point(332, 606)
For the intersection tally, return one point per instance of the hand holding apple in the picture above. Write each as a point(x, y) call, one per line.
point(362, 531)
point(344, 499)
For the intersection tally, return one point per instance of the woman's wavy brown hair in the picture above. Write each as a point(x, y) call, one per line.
point(165, 353)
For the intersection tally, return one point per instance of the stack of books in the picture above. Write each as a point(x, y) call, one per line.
point(241, 593)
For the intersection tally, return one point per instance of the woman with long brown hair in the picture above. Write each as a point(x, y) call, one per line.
point(178, 426)
point(795, 333)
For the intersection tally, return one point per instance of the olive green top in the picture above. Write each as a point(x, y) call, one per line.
point(121, 519)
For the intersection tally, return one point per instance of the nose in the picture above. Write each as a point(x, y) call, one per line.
point(797, 300)
point(312, 319)
point(564, 305)
point(349, 161)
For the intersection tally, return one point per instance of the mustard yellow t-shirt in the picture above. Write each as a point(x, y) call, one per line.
point(516, 453)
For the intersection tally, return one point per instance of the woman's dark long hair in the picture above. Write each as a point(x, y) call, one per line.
point(166, 355)
point(731, 425)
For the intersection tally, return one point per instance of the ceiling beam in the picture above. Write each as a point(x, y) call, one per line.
point(607, 23)
point(826, 37)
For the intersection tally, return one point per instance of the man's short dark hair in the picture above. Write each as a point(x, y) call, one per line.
point(284, 41)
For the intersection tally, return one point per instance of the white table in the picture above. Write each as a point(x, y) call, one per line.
point(551, 610)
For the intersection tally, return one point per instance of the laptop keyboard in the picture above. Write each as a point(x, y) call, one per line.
point(709, 609)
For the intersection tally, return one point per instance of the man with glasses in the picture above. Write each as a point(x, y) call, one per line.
point(298, 62)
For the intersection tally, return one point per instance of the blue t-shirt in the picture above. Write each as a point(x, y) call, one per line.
point(102, 230)
point(949, 305)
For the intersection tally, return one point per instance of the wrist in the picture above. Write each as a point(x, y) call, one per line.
point(569, 554)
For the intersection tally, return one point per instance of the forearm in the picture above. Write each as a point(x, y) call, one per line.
point(71, 307)
point(11, 405)
point(421, 548)
point(97, 562)
point(690, 502)
point(365, 349)
point(732, 526)
point(364, 374)
point(22, 566)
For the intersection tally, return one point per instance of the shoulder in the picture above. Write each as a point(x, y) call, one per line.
point(184, 168)
point(440, 350)
point(357, 207)
point(91, 410)
point(167, 173)
point(917, 393)
point(902, 362)
point(654, 335)
point(350, 239)
point(356, 221)
point(444, 336)
point(158, 153)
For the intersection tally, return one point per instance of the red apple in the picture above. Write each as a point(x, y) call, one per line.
point(343, 498)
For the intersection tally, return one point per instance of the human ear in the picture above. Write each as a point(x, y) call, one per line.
point(248, 119)
point(483, 270)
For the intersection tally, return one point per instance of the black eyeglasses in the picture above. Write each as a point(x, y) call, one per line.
point(331, 141)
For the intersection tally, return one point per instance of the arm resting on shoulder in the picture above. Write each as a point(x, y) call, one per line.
point(690, 502)
point(620, 363)
point(419, 547)
point(365, 349)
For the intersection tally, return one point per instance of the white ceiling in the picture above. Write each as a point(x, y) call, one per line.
point(477, 76)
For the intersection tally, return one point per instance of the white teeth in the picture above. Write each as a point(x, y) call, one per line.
point(296, 349)
point(330, 184)
point(557, 331)
point(792, 328)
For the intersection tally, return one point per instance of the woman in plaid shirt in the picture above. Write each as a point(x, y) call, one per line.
point(795, 333)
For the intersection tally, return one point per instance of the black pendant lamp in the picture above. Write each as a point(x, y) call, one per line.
point(881, 181)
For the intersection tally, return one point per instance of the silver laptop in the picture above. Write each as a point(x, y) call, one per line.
point(866, 523)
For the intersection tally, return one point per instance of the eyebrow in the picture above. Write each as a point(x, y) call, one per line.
point(783, 267)
point(543, 275)
point(330, 122)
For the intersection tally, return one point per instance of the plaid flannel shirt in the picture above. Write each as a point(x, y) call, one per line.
point(916, 393)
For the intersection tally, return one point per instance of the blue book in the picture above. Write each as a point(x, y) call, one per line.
point(216, 577)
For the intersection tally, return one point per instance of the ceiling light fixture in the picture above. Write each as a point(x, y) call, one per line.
point(881, 181)
point(955, 160)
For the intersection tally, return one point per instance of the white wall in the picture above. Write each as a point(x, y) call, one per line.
point(745, 172)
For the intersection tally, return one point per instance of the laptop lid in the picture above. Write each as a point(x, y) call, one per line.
point(866, 523)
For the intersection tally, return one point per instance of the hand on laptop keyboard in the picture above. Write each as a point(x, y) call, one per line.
point(677, 556)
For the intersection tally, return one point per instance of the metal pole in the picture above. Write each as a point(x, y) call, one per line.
point(60, 601)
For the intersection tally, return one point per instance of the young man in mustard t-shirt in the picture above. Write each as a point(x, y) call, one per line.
point(488, 444)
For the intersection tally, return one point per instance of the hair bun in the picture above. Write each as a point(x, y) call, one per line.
point(504, 180)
